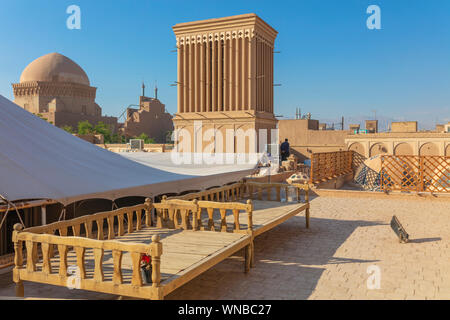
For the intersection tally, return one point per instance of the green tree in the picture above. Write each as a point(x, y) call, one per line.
point(84, 127)
point(41, 116)
point(146, 138)
point(103, 129)
point(169, 137)
point(67, 128)
point(116, 138)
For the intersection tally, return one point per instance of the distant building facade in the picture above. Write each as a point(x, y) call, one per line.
point(400, 143)
point(57, 89)
point(404, 126)
point(151, 118)
point(225, 78)
point(306, 137)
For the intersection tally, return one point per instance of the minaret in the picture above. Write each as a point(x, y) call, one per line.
point(143, 89)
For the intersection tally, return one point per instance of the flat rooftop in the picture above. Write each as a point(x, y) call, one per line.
point(327, 261)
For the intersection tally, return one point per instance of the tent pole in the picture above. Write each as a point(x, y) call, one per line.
point(43, 215)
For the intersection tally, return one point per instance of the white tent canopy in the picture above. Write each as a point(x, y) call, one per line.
point(41, 161)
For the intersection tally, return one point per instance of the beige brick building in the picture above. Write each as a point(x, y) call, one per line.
point(57, 89)
point(151, 118)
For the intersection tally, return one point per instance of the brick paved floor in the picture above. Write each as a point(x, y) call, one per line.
point(330, 260)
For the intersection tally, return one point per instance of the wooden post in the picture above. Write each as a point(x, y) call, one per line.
point(251, 253)
point(18, 260)
point(156, 252)
point(307, 209)
point(148, 212)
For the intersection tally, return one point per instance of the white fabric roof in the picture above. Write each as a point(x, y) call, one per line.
point(41, 161)
point(163, 161)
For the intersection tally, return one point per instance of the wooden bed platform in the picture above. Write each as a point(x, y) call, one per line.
point(184, 238)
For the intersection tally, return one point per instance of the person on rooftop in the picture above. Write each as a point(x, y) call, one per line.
point(284, 150)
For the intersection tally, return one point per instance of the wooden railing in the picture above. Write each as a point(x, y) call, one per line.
point(329, 165)
point(415, 173)
point(265, 191)
point(231, 192)
point(200, 222)
point(89, 260)
point(124, 217)
point(238, 191)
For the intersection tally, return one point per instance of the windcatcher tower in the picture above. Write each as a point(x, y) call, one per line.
point(225, 75)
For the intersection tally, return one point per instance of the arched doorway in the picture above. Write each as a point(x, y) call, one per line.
point(358, 148)
point(429, 149)
point(403, 149)
point(447, 151)
point(378, 148)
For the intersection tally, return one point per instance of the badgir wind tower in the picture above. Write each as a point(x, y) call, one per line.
point(225, 75)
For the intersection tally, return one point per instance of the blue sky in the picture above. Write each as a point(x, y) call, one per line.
point(330, 63)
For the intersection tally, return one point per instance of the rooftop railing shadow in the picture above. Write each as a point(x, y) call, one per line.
point(289, 261)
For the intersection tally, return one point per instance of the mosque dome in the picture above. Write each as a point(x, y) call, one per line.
point(54, 67)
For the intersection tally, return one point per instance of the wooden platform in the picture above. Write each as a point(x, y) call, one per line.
point(186, 254)
point(190, 237)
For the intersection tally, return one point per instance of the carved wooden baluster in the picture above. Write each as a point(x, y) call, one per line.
point(51, 246)
point(195, 214)
point(76, 230)
point(223, 216)
point(148, 212)
point(200, 225)
point(156, 252)
point(98, 262)
point(63, 232)
point(88, 227)
point(99, 229)
point(223, 196)
point(130, 221)
point(184, 218)
point(136, 278)
point(286, 190)
point(46, 264)
point(62, 249)
point(80, 253)
point(159, 218)
point(250, 214)
point(117, 275)
point(210, 219)
point(172, 224)
point(278, 193)
point(138, 219)
point(36, 253)
point(111, 234)
point(121, 229)
point(236, 219)
point(31, 255)
point(260, 191)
